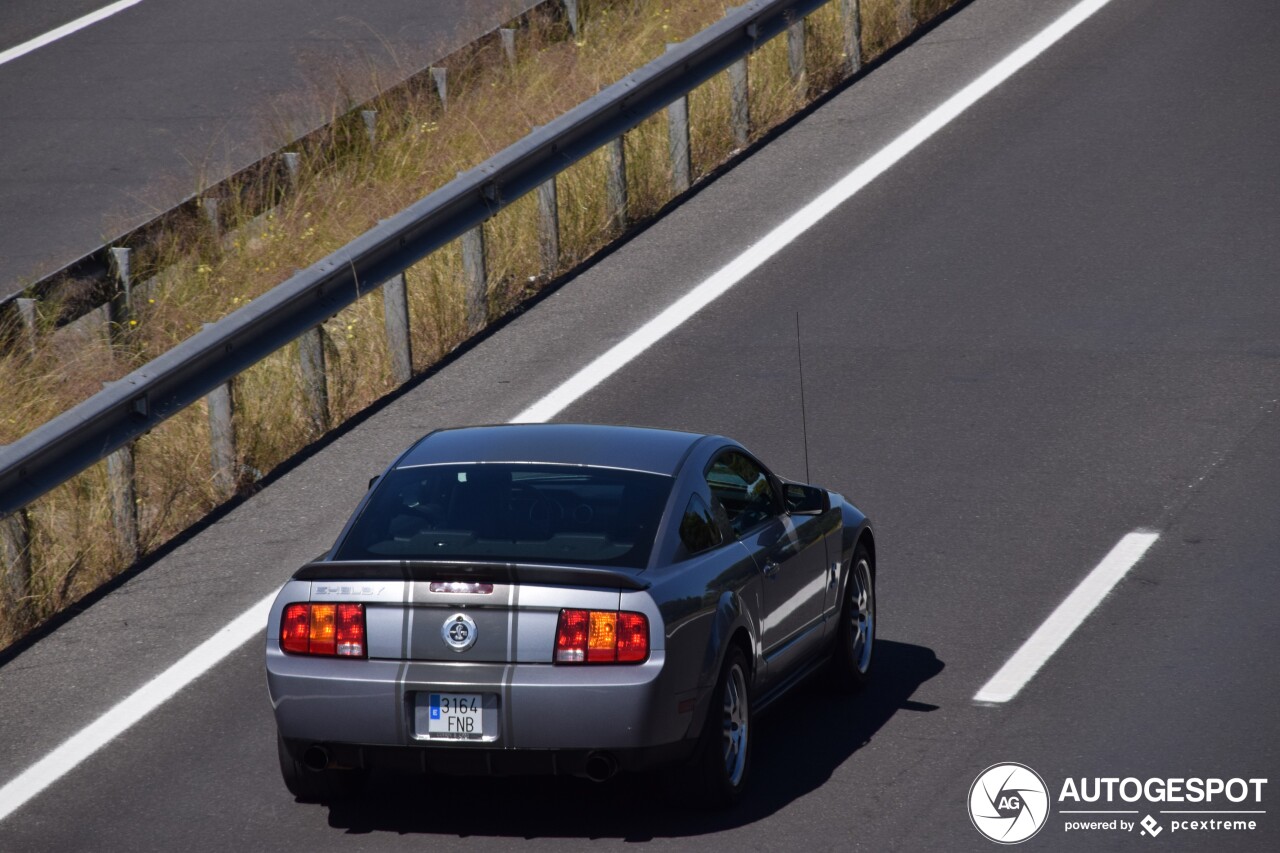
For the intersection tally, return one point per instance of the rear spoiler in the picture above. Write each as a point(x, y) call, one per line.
point(507, 573)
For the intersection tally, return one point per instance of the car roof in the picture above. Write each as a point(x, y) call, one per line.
point(659, 451)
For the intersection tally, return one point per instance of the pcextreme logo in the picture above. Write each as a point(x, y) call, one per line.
point(1008, 803)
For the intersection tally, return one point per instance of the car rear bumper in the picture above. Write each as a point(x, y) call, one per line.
point(485, 761)
point(557, 714)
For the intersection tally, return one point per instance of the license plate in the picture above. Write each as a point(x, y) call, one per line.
point(456, 714)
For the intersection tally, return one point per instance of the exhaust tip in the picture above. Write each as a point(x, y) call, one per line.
point(601, 766)
point(316, 757)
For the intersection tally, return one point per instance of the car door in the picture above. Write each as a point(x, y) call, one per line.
point(816, 521)
point(792, 560)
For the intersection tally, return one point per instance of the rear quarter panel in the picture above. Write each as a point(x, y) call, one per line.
point(704, 601)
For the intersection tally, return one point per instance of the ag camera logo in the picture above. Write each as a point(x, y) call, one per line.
point(1008, 803)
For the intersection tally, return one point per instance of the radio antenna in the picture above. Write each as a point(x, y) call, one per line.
point(804, 424)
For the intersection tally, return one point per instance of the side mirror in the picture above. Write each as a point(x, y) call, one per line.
point(375, 478)
point(806, 500)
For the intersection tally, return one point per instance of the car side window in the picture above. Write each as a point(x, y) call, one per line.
point(743, 489)
point(698, 528)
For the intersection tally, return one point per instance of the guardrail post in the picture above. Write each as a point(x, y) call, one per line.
point(292, 167)
point(27, 314)
point(15, 561)
point(678, 141)
point(906, 19)
point(124, 502)
point(370, 118)
point(315, 386)
point(615, 181)
point(120, 305)
point(549, 226)
point(508, 36)
point(740, 103)
point(795, 52)
point(441, 78)
point(222, 439)
point(395, 308)
point(851, 28)
point(209, 207)
point(476, 279)
point(571, 11)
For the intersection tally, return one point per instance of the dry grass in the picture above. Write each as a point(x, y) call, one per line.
point(346, 185)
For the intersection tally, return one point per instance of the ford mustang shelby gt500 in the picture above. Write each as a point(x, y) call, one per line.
point(553, 598)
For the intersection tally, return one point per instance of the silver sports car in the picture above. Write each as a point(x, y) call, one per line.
point(572, 599)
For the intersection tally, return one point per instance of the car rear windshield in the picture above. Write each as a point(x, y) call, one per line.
point(513, 512)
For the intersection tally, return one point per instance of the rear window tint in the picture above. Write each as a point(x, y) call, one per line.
point(516, 512)
point(698, 528)
point(743, 489)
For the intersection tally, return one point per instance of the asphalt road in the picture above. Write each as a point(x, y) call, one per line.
point(107, 127)
point(1055, 322)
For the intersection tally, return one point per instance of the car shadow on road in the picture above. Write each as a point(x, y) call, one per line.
point(799, 743)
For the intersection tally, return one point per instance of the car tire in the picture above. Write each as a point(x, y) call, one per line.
point(315, 786)
point(853, 657)
point(722, 762)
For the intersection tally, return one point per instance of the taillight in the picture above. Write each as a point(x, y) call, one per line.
point(350, 630)
point(602, 636)
point(571, 636)
point(323, 633)
point(323, 629)
point(294, 628)
point(633, 637)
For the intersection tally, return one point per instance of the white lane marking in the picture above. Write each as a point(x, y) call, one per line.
point(1063, 621)
point(137, 705)
point(65, 30)
point(146, 698)
point(800, 221)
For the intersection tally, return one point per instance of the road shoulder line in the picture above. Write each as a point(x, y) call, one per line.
point(65, 30)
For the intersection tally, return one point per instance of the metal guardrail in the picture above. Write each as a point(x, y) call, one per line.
point(53, 453)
